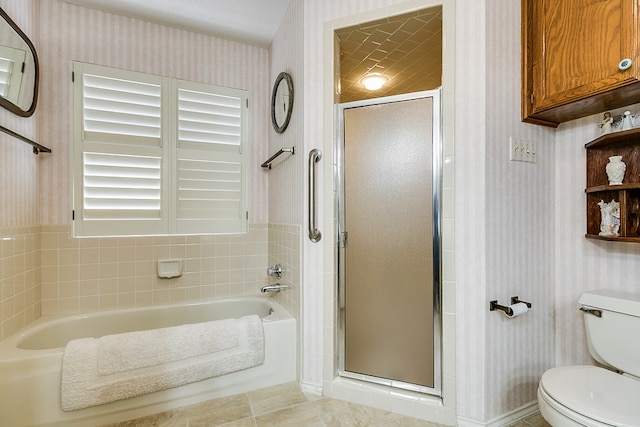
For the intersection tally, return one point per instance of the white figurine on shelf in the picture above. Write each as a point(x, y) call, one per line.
point(610, 218)
point(627, 121)
point(606, 123)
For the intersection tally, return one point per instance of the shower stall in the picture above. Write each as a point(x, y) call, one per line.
point(389, 204)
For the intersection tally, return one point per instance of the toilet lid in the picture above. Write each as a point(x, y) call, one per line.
point(595, 393)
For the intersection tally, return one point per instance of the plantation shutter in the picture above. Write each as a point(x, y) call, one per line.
point(210, 184)
point(121, 175)
point(11, 73)
point(155, 155)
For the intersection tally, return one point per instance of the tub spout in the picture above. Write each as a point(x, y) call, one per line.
point(277, 287)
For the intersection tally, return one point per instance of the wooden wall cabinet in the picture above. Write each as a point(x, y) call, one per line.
point(571, 51)
point(627, 145)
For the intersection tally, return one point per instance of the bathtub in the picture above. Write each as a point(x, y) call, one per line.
point(31, 361)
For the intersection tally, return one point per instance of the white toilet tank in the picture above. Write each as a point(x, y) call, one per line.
point(614, 338)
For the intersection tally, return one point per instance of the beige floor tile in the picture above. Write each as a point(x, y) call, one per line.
point(337, 413)
point(164, 419)
point(218, 412)
point(247, 422)
point(537, 420)
point(287, 406)
point(302, 415)
point(412, 422)
point(275, 398)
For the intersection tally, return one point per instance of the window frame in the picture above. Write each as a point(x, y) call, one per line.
point(167, 149)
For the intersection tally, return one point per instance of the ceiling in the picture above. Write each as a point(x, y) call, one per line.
point(249, 21)
point(407, 49)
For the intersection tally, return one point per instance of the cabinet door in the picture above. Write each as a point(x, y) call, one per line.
point(574, 48)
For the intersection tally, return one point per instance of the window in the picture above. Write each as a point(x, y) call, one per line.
point(155, 155)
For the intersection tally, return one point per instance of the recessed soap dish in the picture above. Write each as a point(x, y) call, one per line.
point(168, 268)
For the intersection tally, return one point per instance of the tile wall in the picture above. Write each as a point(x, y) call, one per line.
point(19, 278)
point(284, 249)
point(94, 274)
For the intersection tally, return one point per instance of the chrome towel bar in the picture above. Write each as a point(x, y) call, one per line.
point(37, 148)
point(267, 164)
point(314, 157)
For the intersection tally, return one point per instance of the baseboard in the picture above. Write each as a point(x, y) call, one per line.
point(504, 419)
point(311, 388)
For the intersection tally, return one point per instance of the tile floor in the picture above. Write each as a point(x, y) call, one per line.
point(285, 406)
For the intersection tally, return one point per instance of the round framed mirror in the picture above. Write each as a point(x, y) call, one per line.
point(281, 102)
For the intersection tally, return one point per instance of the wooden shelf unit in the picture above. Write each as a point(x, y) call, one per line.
point(627, 145)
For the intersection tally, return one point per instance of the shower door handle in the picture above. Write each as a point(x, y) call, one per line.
point(314, 157)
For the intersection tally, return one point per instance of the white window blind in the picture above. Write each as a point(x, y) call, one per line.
point(11, 73)
point(209, 161)
point(156, 155)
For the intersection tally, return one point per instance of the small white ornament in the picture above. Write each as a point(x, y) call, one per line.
point(605, 124)
point(627, 121)
point(610, 218)
point(615, 170)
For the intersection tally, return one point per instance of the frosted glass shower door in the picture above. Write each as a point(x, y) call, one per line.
point(388, 262)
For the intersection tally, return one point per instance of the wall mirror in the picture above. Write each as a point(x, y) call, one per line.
point(281, 102)
point(18, 69)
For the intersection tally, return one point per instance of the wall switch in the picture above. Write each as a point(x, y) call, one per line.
point(522, 150)
point(514, 149)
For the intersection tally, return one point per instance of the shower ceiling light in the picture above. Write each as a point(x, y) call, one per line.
point(373, 81)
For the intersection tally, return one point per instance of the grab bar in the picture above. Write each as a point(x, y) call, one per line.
point(314, 157)
point(267, 164)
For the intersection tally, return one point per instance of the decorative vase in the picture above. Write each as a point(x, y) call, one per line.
point(615, 170)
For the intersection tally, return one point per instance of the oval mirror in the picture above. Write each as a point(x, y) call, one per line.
point(18, 69)
point(281, 102)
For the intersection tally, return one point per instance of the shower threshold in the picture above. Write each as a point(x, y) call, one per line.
point(417, 388)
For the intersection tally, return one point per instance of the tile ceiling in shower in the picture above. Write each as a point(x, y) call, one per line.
point(407, 49)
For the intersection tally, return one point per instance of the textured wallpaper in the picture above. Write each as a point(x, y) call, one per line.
point(582, 264)
point(18, 164)
point(519, 219)
point(286, 180)
point(72, 33)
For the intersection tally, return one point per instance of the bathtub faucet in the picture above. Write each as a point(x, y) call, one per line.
point(277, 287)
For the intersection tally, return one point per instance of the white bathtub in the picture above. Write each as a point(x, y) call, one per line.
point(30, 361)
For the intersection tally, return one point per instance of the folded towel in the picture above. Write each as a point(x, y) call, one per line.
point(95, 371)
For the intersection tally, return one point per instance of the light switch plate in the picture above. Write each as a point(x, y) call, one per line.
point(522, 150)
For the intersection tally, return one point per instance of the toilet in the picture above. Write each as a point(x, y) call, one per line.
point(595, 396)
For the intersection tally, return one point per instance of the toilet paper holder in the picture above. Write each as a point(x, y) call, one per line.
point(493, 305)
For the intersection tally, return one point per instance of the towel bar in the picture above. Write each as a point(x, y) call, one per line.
point(37, 148)
point(267, 164)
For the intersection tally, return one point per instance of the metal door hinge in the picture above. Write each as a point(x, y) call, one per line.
point(343, 239)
